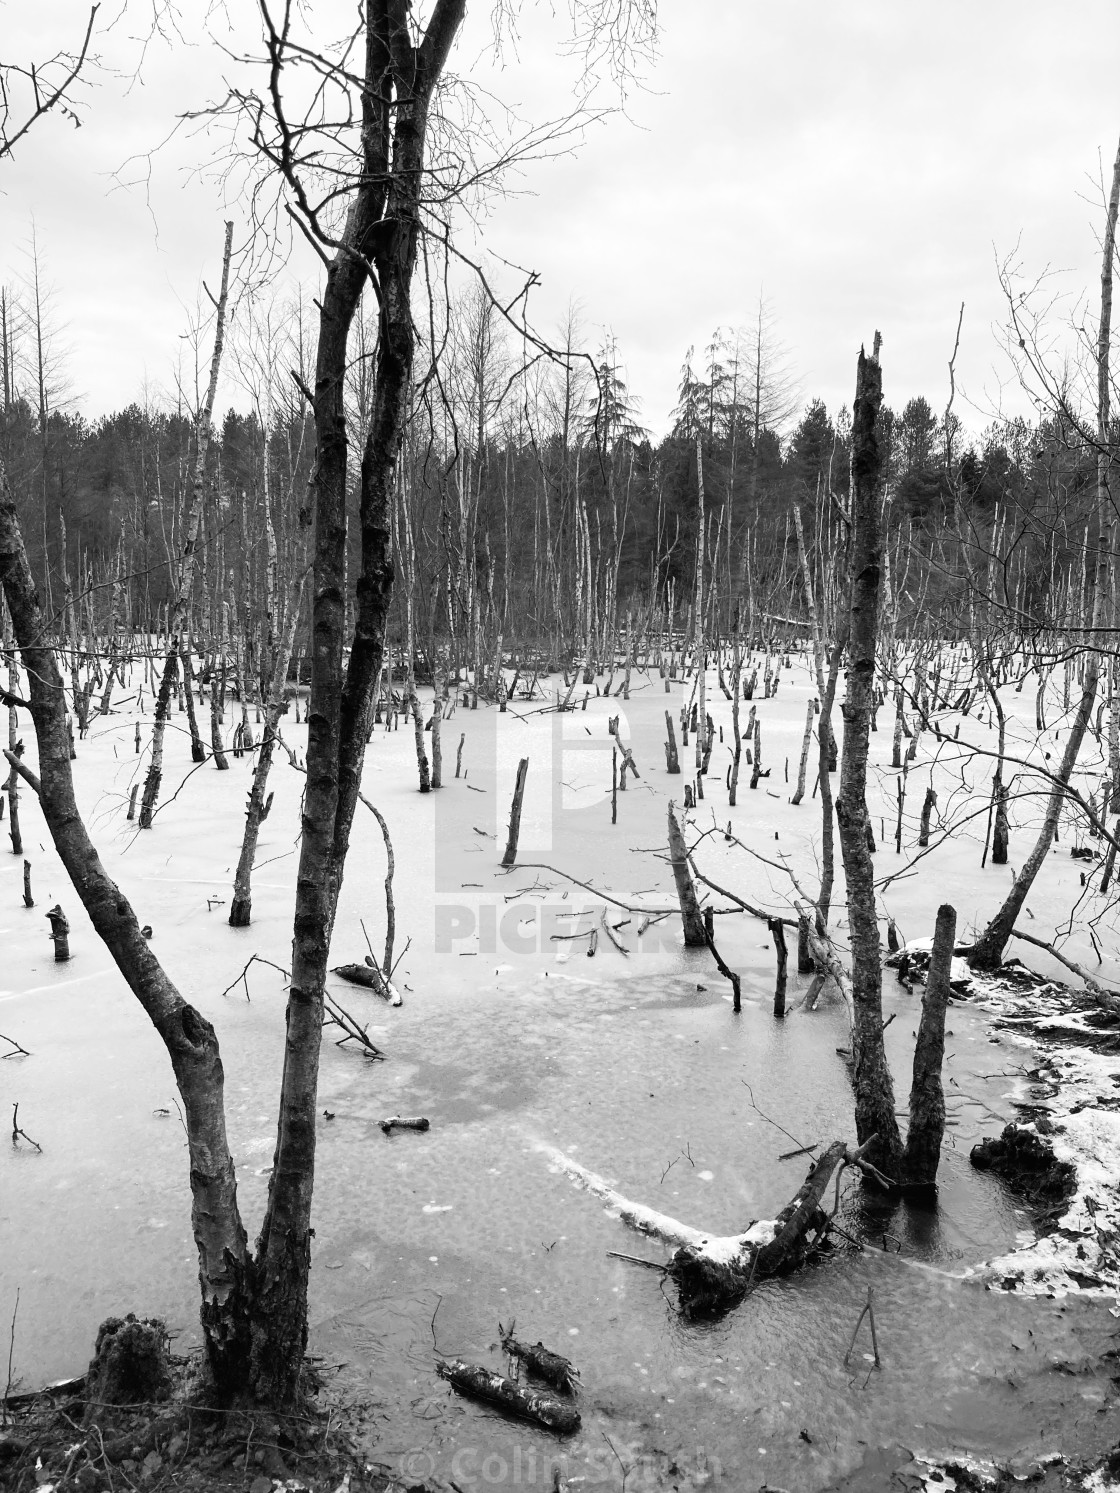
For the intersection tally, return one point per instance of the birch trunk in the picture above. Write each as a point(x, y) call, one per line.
point(241, 908)
point(381, 233)
point(180, 608)
point(224, 1267)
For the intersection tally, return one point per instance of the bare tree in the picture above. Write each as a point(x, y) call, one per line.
point(987, 951)
point(30, 90)
point(180, 609)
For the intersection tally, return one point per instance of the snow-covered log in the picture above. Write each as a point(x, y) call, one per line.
point(714, 1272)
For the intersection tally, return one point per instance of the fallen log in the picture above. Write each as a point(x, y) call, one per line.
point(371, 978)
point(553, 1368)
point(714, 1273)
point(530, 1404)
point(404, 1122)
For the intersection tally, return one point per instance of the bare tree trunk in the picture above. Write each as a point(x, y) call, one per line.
point(872, 1077)
point(825, 745)
point(736, 669)
point(241, 907)
point(189, 1038)
point(987, 951)
point(180, 609)
point(219, 671)
point(806, 740)
point(380, 233)
point(701, 646)
point(927, 1097)
point(695, 936)
point(13, 733)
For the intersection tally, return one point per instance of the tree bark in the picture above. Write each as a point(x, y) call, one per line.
point(871, 1075)
point(224, 1266)
point(380, 239)
point(13, 733)
point(927, 1097)
point(694, 935)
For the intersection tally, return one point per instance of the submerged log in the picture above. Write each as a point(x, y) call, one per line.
point(553, 1368)
point(531, 1404)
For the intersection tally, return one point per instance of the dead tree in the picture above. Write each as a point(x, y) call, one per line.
point(927, 1096)
point(189, 1038)
point(13, 737)
point(700, 642)
point(715, 1272)
point(987, 952)
point(180, 608)
point(510, 856)
point(695, 935)
point(871, 1075)
point(278, 651)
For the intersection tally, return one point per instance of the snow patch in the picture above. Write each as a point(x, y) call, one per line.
point(1082, 1254)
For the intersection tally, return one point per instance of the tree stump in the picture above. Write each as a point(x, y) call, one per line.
point(130, 1364)
point(60, 934)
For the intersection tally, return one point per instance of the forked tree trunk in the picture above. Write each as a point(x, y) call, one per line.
point(381, 231)
point(874, 1088)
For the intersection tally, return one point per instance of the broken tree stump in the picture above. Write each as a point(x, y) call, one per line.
point(130, 1364)
point(510, 856)
point(927, 808)
point(695, 936)
point(60, 934)
point(553, 1368)
point(672, 761)
point(778, 933)
point(530, 1404)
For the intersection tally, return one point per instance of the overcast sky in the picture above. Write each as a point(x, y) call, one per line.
point(862, 163)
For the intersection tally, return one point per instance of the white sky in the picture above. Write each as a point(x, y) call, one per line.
point(863, 162)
